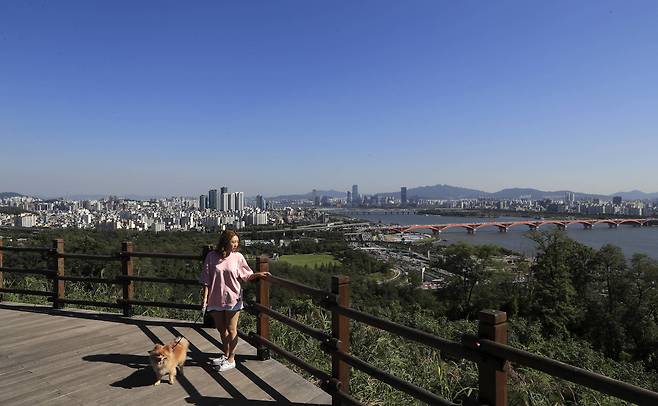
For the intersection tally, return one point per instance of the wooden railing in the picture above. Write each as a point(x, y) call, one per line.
point(488, 349)
point(126, 279)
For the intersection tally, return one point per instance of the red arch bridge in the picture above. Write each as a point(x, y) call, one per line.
point(532, 224)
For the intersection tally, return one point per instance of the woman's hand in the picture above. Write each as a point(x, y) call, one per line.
point(259, 275)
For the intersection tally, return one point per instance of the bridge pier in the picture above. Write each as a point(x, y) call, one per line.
point(587, 226)
point(611, 225)
point(533, 227)
point(502, 229)
point(470, 230)
point(561, 227)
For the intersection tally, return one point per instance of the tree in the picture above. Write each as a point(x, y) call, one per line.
point(641, 319)
point(470, 265)
point(552, 296)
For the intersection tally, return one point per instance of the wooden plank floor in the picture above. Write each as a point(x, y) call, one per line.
point(77, 357)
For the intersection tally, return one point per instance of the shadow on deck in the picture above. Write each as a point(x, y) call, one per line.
point(76, 357)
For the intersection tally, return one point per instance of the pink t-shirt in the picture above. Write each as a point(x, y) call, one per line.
point(223, 276)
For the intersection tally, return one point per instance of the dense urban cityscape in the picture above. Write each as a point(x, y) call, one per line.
point(219, 209)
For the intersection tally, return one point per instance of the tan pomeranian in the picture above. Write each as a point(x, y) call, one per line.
point(165, 358)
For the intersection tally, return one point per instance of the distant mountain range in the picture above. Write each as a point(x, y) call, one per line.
point(309, 195)
point(5, 195)
point(637, 195)
point(447, 192)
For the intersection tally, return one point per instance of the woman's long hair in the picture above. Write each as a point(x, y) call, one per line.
point(224, 244)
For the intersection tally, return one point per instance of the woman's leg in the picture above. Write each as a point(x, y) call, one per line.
point(232, 327)
point(220, 325)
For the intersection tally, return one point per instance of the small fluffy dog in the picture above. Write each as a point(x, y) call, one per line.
point(165, 358)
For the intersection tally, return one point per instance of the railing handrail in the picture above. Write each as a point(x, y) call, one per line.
point(317, 294)
point(164, 255)
point(580, 376)
point(26, 249)
point(318, 334)
point(451, 347)
point(107, 257)
point(28, 270)
point(407, 387)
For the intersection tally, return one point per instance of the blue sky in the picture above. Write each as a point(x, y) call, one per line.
point(172, 98)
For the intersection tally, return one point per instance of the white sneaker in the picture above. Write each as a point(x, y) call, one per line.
point(226, 366)
point(218, 361)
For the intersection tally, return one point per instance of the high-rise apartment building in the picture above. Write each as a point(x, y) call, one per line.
point(224, 199)
point(403, 195)
point(203, 202)
point(238, 204)
point(25, 220)
point(213, 199)
point(349, 198)
point(227, 202)
point(570, 197)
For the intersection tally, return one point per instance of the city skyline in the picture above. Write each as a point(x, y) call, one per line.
point(627, 193)
point(165, 99)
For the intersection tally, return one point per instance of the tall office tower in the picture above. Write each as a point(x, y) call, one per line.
point(239, 201)
point(213, 199)
point(203, 199)
point(356, 199)
point(616, 200)
point(403, 195)
point(226, 202)
point(222, 198)
point(349, 198)
point(260, 202)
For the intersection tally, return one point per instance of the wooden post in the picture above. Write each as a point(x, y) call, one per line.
point(127, 270)
point(2, 281)
point(492, 381)
point(340, 329)
point(208, 321)
point(58, 284)
point(263, 298)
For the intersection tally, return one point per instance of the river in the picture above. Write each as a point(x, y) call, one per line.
point(630, 239)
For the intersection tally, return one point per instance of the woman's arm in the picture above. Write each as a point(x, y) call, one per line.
point(205, 296)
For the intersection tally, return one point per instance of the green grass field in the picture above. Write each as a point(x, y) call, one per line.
point(310, 260)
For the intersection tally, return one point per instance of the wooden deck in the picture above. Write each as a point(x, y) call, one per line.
point(77, 357)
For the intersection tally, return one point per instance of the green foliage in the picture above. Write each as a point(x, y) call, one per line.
point(552, 298)
point(310, 260)
point(471, 265)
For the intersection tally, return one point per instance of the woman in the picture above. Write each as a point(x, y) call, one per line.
point(223, 269)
